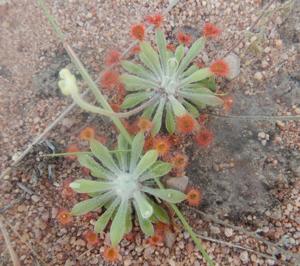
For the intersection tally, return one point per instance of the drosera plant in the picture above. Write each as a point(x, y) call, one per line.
point(125, 182)
point(175, 86)
point(167, 86)
point(145, 189)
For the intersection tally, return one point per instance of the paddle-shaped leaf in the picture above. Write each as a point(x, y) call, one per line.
point(128, 224)
point(151, 55)
point(117, 229)
point(96, 169)
point(160, 213)
point(169, 195)
point(90, 186)
point(157, 170)
point(103, 220)
point(170, 119)
point(144, 206)
point(191, 109)
point(136, 150)
point(190, 71)
point(88, 205)
point(161, 44)
point(191, 54)
point(158, 117)
point(149, 110)
point(102, 153)
point(145, 224)
point(179, 53)
point(134, 83)
point(146, 162)
point(137, 70)
point(133, 99)
point(207, 99)
point(178, 108)
point(122, 154)
point(199, 75)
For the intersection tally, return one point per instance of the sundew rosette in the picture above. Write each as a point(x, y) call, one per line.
point(124, 185)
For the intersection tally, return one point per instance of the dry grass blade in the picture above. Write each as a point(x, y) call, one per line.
point(13, 255)
point(233, 245)
point(246, 232)
point(27, 244)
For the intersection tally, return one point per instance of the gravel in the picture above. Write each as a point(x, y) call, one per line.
point(92, 27)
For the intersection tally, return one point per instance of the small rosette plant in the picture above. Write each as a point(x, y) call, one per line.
point(125, 185)
point(177, 86)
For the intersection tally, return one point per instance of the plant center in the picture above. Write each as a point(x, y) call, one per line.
point(125, 185)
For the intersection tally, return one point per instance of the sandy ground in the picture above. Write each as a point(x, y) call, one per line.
point(30, 58)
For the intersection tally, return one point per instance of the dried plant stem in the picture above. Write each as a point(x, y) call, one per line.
point(94, 109)
point(13, 255)
point(259, 117)
point(233, 245)
point(246, 232)
point(264, 12)
point(23, 241)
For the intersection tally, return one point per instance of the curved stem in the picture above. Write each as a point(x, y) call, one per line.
point(189, 229)
point(258, 117)
point(94, 109)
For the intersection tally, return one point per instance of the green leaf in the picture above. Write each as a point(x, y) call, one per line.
point(102, 153)
point(170, 119)
point(159, 212)
point(128, 224)
point(172, 65)
point(158, 117)
point(197, 88)
point(133, 99)
point(209, 83)
point(190, 71)
point(122, 156)
point(134, 83)
point(117, 229)
point(136, 150)
point(191, 109)
point(96, 169)
point(179, 53)
point(103, 220)
point(169, 195)
point(157, 170)
point(161, 44)
point(199, 75)
point(88, 205)
point(152, 56)
point(90, 186)
point(149, 110)
point(137, 70)
point(144, 206)
point(207, 99)
point(191, 55)
point(145, 224)
point(178, 108)
point(146, 162)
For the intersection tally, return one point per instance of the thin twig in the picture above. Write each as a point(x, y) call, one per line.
point(264, 12)
point(23, 241)
point(259, 117)
point(246, 232)
point(24, 188)
point(13, 255)
point(12, 203)
point(233, 245)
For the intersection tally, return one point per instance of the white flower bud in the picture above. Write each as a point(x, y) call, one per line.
point(67, 84)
